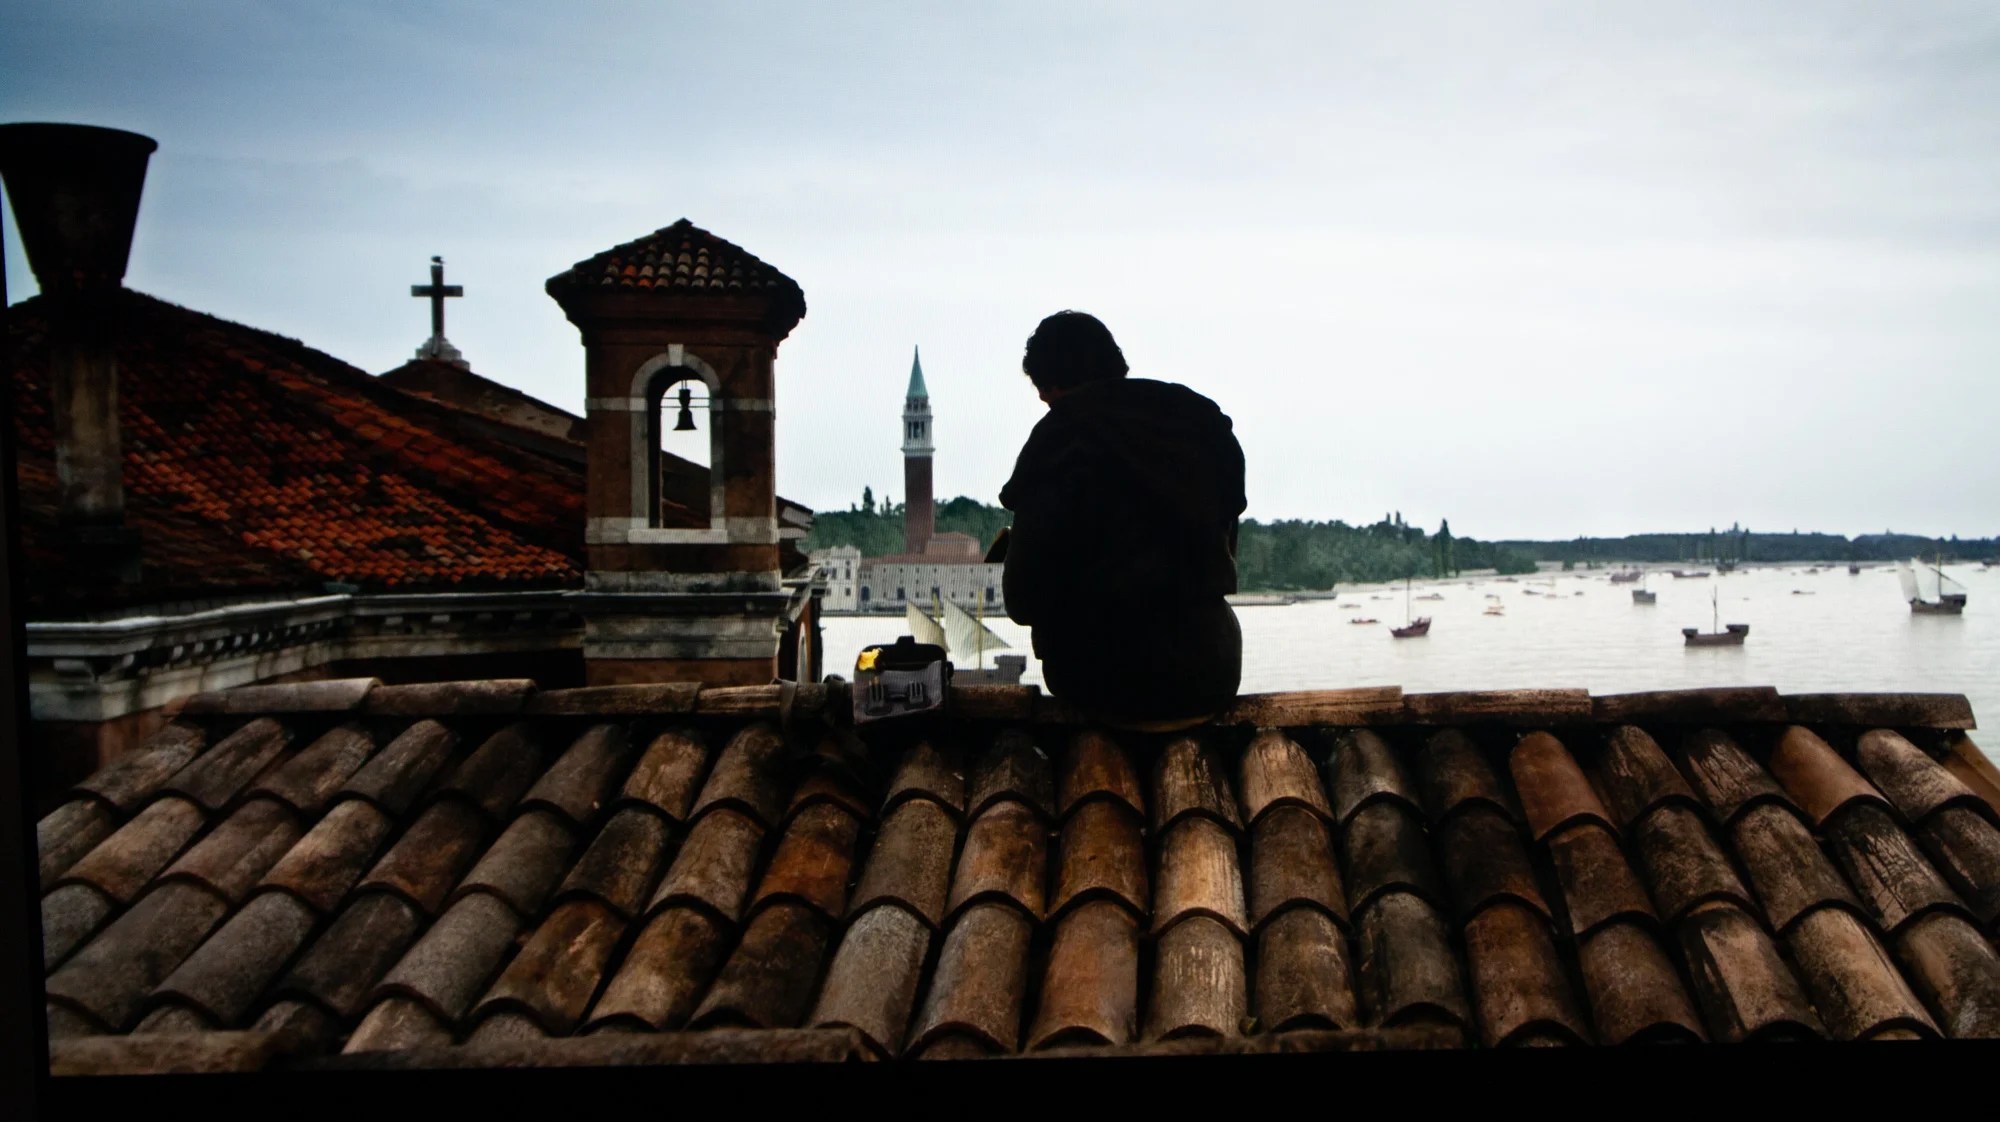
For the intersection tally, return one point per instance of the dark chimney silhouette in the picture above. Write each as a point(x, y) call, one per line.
point(75, 191)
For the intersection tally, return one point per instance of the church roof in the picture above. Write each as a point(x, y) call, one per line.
point(254, 463)
point(347, 875)
point(679, 259)
point(917, 388)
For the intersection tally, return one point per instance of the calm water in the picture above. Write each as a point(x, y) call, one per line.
point(1853, 632)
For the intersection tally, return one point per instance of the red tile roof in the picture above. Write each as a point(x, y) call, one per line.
point(255, 463)
point(373, 876)
point(680, 257)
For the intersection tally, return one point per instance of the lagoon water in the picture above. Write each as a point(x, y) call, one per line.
point(1809, 631)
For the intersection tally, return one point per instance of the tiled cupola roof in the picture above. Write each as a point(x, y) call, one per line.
point(681, 259)
point(350, 875)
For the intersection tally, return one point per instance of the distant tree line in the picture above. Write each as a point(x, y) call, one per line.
point(1288, 555)
point(1738, 543)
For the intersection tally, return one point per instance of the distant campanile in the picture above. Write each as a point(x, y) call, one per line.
point(919, 519)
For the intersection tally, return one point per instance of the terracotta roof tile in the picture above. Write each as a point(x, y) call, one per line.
point(449, 967)
point(215, 776)
point(1199, 987)
point(872, 982)
point(129, 782)
point(1303, 977)
point(932, 771)
point(1199, 875)
point(1366, 769)
point(1965, 847)
point(1913, 781)
point(524, 863)
point(669, 773)
point(1189, 777)
point(1292, 862)
point(253, 463)
point(1635, 776)
point(507, 892)
point(714, 865)
point(1276, 772)
point(1090, 989)
point(1815, 775)
point(1101, 853)
point(769, 980)
point(679, 259)
point(559, 969)
point(67, 833)
point(1554, 791)
point(910, 863)
point(1635, 993)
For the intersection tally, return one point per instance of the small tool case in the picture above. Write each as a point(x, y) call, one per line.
point(905, 683)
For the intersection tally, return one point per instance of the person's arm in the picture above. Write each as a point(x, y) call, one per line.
point(1026, 581)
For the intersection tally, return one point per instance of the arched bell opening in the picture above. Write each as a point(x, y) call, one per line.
point(678, 457)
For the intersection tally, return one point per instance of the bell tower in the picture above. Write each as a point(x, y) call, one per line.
point(677, 588)
point(919, 517)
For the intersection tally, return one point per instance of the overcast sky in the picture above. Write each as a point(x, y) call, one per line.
point(1543, 270)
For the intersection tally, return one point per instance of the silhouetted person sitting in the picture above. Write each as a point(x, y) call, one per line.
point(1125, 501)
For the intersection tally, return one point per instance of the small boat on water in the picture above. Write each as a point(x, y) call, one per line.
point(1800, 592)
point(1929, 591)
point(1495, 610)
point(1689, 574)
point(1627, 576)
point(1641, 596)
point(1412, 628)
point(1853, 569)
point(1731, 636)
point(1369, 619)
point(1431, 596)
point(1347, 607)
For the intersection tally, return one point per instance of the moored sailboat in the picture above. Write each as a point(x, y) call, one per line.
point(1412, 628)
point(1929, 591)
point(1731, 636)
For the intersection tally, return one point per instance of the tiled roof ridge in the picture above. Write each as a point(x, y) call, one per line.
point(630, 265)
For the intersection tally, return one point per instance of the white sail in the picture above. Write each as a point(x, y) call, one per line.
point(1906, 574)
point(970, 639)
point(1927, 580)
point(924, 629)
point(1948, 586)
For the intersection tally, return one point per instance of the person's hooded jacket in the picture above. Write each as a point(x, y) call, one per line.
point(1125, 501)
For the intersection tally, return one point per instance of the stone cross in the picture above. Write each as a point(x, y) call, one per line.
point(437, 290)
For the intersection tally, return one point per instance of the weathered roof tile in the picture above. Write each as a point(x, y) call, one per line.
point(1740, 981)
point(225, 975)
point(1276, 772)
point(1517, 980)
point(1635, 993)
point(316, 772)
point(1364, 769)
point(669, 773)
point(1913, 781)
point(814, 861)
point(128, 860)
point(130, 781)
point(1965, 847)
point(579, 782)
point(1199, 874)
point(714, 865)
point(398, 1023)
point(1855, 987)
point(768, 982)
point(746, 776)
point(1553, 789)
point(980, 980)
point(623, 863)
point(1199, 986)
point(1096, 764)
point(1101, 852)
point(341, 966)
point(930, 769)
point(873, 980)
point(1884, 866)
point(1005, 854)
point(666, 971)
point(491, 697)
point(493, 777)
point(71, 914)
point(113, 972)
point(394, 777)
point(1635, 776)
point(559, 967)
point(1726, 776)
point(911, 862)
point(67, 833)
point(1683, 864)
point(1485, 861)
point(239, 850)
point(1291, 861)
point(448, 968)
point(426, 861)
point(1303, 978)
point(1406, 969)
point(1090, 990)
point(523, 865)
point(1189, 777)
point(1956, 971)
point(1815, 775)
point(1385, 848)
point(1788, 870)
point(215, 776)
point(1012, 767)
point(1598, 884)
point(1456, 774)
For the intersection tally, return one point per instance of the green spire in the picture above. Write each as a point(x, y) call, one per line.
point(917, 375)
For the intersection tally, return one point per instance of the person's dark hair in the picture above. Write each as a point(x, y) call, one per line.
point(1069, 349)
